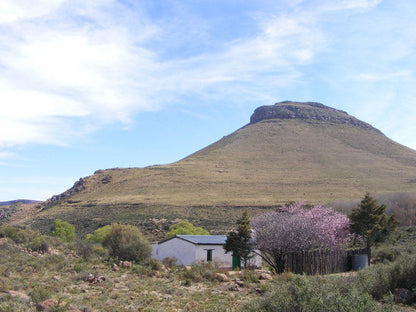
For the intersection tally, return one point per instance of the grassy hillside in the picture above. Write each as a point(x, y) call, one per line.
point(261, 165)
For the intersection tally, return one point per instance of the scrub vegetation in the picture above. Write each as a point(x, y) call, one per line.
point(85, 276)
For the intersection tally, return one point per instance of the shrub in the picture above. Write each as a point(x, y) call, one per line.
point(185, 228)
point(200, 272)
point(382, 279)
point(84, 249)
point(63, 230)
point(303, 293)
point(19, 235)
point(169, 262)
point(99, 234)
point(39, 294)
point(126, 242)
point(38, 243)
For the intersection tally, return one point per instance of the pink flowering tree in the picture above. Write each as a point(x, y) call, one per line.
point(295, 228)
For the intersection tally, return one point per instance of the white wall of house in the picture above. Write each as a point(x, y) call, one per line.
point(182, 250)
point(188, 253)
point(219, 257)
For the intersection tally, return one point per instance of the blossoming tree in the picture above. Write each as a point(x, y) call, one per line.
point(295, 228)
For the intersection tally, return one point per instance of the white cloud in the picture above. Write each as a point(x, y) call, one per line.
point(13, 10)
point(405, 74)
point(68, 67)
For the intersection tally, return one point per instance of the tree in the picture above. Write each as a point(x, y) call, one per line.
point(63, 230)
point(185, 228)
point(126, 242)
point(370, 222)
point(239, 242)
point(294, 229)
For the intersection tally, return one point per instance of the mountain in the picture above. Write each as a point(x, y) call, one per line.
point(18, 201)
point(289, 151)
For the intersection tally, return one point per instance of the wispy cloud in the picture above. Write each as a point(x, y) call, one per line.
point(64, 62)
point(70, 67)
point(405, 74)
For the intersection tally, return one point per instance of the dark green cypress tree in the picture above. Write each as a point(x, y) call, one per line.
point(239, 242)
point(370, 222)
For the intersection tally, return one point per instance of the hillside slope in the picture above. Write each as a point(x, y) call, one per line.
point(290, 151)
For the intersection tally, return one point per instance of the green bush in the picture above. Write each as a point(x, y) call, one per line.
point(19, 235)
point(99, 234)
point(126, 242)
point(39, 294)
point(382, 279)
point(185, 228)
point(63, 230)
point(38, 243)
point(311, 294)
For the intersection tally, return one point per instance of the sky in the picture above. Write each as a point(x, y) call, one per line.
point(88, 85)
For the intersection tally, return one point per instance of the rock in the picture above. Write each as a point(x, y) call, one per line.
point(56, 278)
point(72, 308)
point(115, 267)
point(19, 295)
point(188, 268)
point(46, 305)
point(233, 273)
point(126, 264)
point(306, 111)
point(239, 282)
point(222, 277)
point(265, 276)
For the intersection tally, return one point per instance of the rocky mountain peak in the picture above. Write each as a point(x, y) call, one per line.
point(306, 111)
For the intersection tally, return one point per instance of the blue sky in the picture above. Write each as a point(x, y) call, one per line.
point(87, 85)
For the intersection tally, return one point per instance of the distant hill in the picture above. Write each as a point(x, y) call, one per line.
point(17, 201)
point(289, 151)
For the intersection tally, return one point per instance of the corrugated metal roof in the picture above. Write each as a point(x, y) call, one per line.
point(204, 239)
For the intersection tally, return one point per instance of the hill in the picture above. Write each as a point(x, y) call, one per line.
point(289, 151)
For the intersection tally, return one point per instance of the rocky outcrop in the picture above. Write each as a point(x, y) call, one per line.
point(306, 111)
point(78, 187)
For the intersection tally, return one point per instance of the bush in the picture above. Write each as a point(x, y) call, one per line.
point(303, 293)
point(63, 230)
point(19, 235)
point(84, 249)
point(38, 244)
point(126, 242)
point(200, 272)
point(382, 279)
point(99, 234)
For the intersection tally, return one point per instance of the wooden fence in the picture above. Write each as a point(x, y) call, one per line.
point(321, 261)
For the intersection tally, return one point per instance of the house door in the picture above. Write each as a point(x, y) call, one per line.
point(236, 261)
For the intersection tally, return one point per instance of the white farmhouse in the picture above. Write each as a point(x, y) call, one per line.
point(192, 249)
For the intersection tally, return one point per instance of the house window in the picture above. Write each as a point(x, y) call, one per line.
point(209, 255)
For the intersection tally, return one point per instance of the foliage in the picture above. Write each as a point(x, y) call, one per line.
point(295, 228)
point(84, 249)
point(370, 222)
point(39, 243)
point(19, 235)
point(99, 234)
point(310, 294)
point(63, 230)
point(200, 272)
point(382, 279)
point(240, 242)
point(185, 228)
point(126, 242)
